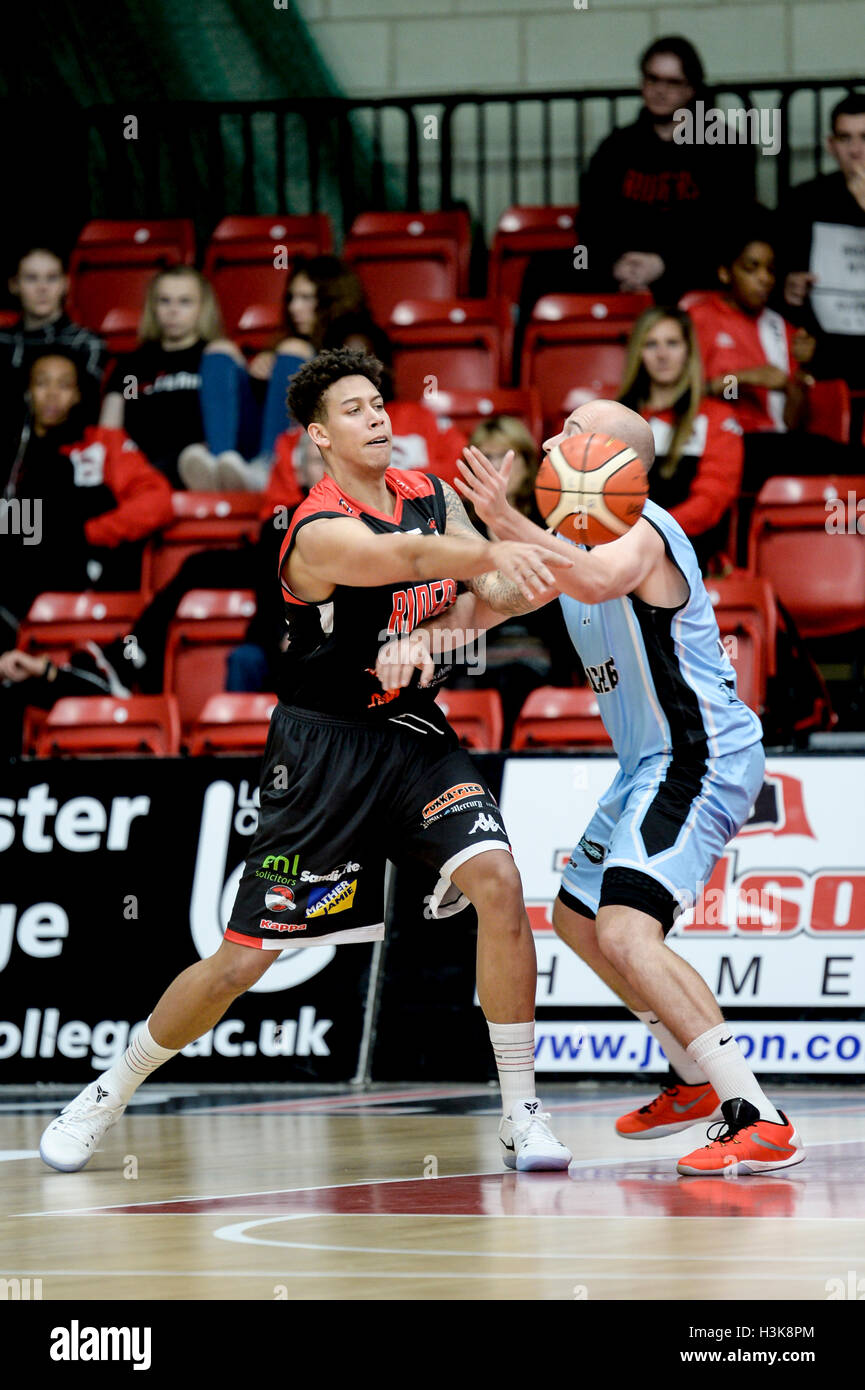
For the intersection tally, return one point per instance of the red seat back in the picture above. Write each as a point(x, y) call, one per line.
point(828, 410)
point(557, 717)
point(475, 715)
point(204, 521)
point(166, 231)
point(466, 409)
point(409, 255)
point(98, 724)
point(114, 277)
point(58, 623)
point(807, 538)
point(521, 233)
point(232, 723)
point(208, 625)
point(449, 344)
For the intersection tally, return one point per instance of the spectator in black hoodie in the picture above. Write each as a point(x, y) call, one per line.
point(648, 204)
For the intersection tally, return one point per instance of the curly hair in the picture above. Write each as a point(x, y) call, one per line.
point(307, 389)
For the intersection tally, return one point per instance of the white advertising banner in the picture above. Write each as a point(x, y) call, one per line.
point(781, 924)
point(838, 261)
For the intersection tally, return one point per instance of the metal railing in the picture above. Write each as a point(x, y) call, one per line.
point(342, 155)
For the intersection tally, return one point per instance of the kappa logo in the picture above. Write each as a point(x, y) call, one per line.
point(267, 925)
point(463, 791)
point(486, 823)
point(279, 898)
point(337, 899)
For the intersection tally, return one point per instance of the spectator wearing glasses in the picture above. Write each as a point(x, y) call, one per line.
point(649, 204)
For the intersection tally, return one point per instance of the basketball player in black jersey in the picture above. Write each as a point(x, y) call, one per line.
point(353, 774)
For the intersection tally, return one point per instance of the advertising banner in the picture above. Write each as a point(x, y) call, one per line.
point(779, 929)
point(117, 875)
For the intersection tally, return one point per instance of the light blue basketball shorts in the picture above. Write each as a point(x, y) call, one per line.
point(659, 831)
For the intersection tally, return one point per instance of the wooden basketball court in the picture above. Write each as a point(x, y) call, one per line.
point(399, 1193)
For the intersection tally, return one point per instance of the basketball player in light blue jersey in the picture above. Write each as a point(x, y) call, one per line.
point(690, 769)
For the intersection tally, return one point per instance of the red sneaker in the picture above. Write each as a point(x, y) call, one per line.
point(745, 1145)
point(677, 1107)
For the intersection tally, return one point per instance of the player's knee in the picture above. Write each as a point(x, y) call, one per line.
point(238, 970)
point(494, 886)
point(618, 942)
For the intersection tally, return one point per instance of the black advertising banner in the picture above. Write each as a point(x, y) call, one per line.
point(117, 875)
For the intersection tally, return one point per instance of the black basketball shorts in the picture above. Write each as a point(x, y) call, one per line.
point(338, 799)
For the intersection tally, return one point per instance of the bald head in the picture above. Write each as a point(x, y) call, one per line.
point(612, 419)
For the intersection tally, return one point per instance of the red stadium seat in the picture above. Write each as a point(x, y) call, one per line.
point(466, 409)
point(476, 716)
point(8, 317)
point(119, 328)
point(828, 410)
point(209, 623)
point(34, 719)
point(232, 723)
point(747, 620)
point(260, 326)
point(166, 231)
point(248, 262)
point(554, 717)
point(58, 623)
point(523, 232)
point(577, 340)
point(453, 344)
point(98, 724)
point(807, 537)
point(114, 277)
point(409, 255)
point(205, 521)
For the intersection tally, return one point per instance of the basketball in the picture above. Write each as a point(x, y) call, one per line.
point(591, 488)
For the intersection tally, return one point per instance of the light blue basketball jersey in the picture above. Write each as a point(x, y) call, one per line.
point(663, 680)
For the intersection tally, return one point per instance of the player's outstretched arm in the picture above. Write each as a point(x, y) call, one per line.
point(607, 571)
point(496, 591)
point(344, 552)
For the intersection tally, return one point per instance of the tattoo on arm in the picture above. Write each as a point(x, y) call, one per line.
point(501, 594)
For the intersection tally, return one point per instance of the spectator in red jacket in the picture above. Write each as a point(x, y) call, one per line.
point(94, 493)
point(756, 360)
point(697, 473)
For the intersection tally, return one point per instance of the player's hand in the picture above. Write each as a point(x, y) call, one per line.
point(797, 287)
point(529, 566)
point(486, 486)
point(18, 666)
point(804, 346)
point(402, 656)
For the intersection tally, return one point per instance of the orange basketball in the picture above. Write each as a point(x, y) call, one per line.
point(591, 488)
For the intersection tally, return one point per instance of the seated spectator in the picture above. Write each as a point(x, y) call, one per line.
point(41, 284)
point(649, 205)
point(154, 392)
point(93, 494)
point(809, 222)
point(697, 472)
point(533, 649)
point(244, 404)
point(756, 360)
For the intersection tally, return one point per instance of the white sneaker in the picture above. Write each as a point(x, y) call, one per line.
point(70, 1141)
point(198, 469)
point(529, 1144)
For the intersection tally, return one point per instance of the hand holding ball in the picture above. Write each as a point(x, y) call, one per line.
point(591, 489)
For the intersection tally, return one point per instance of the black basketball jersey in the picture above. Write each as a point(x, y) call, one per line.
point(332, 649)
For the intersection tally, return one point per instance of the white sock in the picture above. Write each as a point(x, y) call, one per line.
point(141, 1057)
point(720, 1056)
point(514, 1048)
point(683, 1065)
